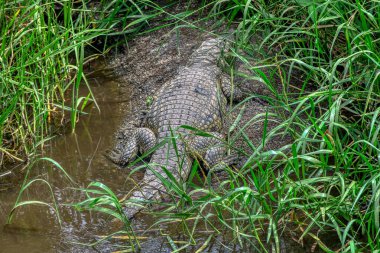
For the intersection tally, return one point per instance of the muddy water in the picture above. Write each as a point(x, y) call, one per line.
point(81, 154)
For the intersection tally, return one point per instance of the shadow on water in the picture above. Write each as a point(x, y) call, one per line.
point(81, 154)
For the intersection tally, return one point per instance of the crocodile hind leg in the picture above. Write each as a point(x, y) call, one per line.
point(141, 139)
point(212, 150)
point(231, 91)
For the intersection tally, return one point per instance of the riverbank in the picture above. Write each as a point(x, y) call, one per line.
point(318, 63)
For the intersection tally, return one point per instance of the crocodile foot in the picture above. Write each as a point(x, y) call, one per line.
point(114, 156)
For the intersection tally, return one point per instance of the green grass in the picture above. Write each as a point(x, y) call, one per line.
point(44, 48)
point(326, 182)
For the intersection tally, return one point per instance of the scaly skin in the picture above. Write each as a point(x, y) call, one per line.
point(193, 98)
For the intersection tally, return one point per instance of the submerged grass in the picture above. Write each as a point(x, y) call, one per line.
point(325, 182)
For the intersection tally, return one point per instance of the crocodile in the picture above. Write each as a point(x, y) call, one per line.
point(196, 97)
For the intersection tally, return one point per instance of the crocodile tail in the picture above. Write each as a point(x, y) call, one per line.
point(167, 163)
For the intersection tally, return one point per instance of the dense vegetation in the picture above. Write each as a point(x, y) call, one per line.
point(43, 50)
point(326, 182)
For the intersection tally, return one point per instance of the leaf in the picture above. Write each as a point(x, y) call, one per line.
point(305, 2)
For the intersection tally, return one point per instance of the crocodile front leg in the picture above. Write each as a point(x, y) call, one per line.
point(142, 139)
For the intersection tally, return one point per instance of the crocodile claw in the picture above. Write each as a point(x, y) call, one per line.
point(114, 156)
